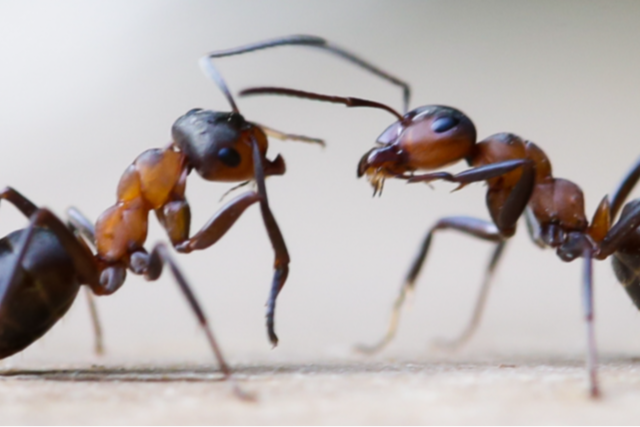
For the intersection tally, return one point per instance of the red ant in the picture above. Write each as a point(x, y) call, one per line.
point(220, 146)
point(44, 266)
point(519, 179)
point(46, 263)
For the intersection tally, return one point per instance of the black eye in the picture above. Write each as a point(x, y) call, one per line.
point(229, 157)
point(443, 124)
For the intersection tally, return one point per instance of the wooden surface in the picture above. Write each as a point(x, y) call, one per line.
point(353, 391)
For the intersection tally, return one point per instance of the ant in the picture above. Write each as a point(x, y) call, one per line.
point(44, 266)
point(519, 179)
point(220, 146)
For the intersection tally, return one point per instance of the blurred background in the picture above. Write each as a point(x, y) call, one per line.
point(87, 86)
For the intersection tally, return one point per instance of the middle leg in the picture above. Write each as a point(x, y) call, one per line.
point(481, 302)
point(151, 265)
point(481, 229)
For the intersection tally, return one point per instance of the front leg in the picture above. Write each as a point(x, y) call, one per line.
point(174, 217)
point(506, 204)
point(480, 173)
point(281, 263)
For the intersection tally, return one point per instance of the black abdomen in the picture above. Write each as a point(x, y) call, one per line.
point(627, 269)
point(41, 293)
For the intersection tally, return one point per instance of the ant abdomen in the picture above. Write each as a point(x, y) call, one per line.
point(48, 287)
point(626, 266)
point(626, 259)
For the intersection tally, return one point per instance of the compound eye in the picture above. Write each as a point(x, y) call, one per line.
point(443, 124)
point(229, 156)
point(192, 111)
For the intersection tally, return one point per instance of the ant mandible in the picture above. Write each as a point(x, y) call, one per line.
point(44, 266)
point(520, 180)
point(220, 146)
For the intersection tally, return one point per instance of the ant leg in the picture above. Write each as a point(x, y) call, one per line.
point(505, 212)
point(480, 173)
point(81, 226)
point(282, 136)
point(624, 188)
point(215, 228)
point(533, 228)
point(80, 223)
point(320, 43)
point(83, 258)
point(222, 222)
point(151, 266)
point(66, 236)
point(506, 216)
point(628, 222)
point(111, 277)
point(282, 259)
point(592, 360)
point(95, 321)
point(234, 188)
point(472, 326)
point(484, 230)
point(24, 205)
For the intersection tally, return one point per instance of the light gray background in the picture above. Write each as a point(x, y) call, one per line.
point(87, 86)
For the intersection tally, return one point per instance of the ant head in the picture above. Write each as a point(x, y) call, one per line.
point(426, 138)
point(218, 145)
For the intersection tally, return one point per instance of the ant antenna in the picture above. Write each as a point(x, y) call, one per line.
point(212, 72)
point(318, 42)
point(348, 101)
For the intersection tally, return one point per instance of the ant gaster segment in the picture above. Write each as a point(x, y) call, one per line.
point(219, 146)
point(520, 180)
point(44, 266)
